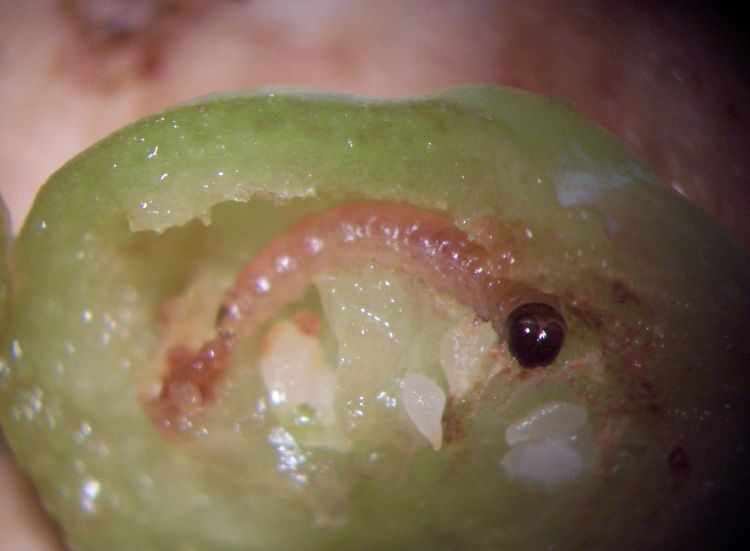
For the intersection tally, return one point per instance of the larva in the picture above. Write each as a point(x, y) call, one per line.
point(420, 243)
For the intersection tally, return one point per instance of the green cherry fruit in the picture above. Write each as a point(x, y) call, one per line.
point(282, 319)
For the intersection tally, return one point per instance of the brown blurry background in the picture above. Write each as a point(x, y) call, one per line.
point(671, 81)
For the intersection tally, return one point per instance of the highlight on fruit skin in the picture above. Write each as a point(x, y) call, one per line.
point(558, 360)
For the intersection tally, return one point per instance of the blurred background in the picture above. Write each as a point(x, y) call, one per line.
point(670, 79)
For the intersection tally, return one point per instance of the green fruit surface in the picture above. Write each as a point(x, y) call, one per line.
point(656, 297)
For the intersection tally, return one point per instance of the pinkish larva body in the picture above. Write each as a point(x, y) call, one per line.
point(420, 243)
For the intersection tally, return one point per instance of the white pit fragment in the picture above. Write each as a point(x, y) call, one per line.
point(550, 445)
point(463, 355)
point(554, 419)
point(294, 372)
point(551, 460)
point(425, 402)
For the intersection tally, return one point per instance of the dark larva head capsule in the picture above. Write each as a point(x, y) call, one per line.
point(536, 332)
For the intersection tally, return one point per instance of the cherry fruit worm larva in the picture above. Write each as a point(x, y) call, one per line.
point(420, 243)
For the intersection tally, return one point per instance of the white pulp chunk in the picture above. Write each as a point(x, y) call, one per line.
point(294, 372)
point(550, 460)
point(425, 401)
point(554, 419)
point(550, 445)
point(463, 354)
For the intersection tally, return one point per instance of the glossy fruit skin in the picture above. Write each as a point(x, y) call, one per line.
point(594, 227)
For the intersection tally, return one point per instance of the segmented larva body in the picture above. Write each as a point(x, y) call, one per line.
point(420, 243)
